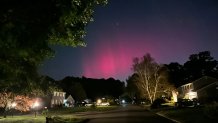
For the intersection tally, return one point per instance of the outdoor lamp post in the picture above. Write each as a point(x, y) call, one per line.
point(13, 105)
point(35, 106)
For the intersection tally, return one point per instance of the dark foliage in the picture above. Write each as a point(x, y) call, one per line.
point(157, 103)
point(93, 88)
point(27, 30)
point(198, 65)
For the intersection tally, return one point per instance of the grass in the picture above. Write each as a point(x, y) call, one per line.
point(23, 119)
point(58, 111)
point(39, 119)
point(187, 115)
point(64, 115)
point(61, 118)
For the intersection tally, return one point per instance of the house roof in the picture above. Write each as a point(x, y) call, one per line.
point(70, 98)
point(207, 78)
point(204, 82)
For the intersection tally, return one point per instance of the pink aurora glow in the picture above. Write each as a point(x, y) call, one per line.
point(113, 56)
point(169, 31)
point(114, 59)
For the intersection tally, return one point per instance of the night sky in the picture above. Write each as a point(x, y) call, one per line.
point(170, 30)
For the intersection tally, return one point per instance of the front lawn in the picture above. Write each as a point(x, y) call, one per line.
point(40, 119)
point(58, 111)
point(23, 119)
point(188, 115)
point(64, 115)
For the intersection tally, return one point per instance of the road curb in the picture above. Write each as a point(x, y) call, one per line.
point(168, 118)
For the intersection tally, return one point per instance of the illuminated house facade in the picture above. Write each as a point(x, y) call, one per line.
point(204, 89)
point(69, 102)
point(57, 98)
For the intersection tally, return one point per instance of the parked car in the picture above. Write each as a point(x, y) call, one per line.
point(187, 103)
point(103, 104)
point(88, 104)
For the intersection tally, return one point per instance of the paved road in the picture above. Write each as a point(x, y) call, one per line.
point(127, 114)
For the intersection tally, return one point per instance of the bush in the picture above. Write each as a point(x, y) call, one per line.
point(211, 110)
point(93, 106)
point(45, 112)
point(157, 103)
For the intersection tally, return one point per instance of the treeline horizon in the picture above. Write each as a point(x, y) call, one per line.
point(198, 65)
point(81, 88)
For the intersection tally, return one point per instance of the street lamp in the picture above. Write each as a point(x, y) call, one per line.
point(35, 106)
point(13, 105)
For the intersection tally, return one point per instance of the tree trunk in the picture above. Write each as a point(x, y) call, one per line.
point(5, 112)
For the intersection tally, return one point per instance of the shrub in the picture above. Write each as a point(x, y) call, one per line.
point(157, 103)
point(93, 106)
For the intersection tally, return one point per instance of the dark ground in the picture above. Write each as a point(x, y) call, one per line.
point(125, 114)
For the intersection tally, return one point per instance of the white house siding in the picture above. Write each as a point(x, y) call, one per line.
point(57, 98)
point(204, 89)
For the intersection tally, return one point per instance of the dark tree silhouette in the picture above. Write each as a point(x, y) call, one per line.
point(198, 65)
point(29, 27)
point(201, 64)
point(176, 73)
point(131, 88)
point(94, 88)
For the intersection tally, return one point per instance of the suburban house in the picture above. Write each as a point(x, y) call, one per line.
point(204, 89)
point(69, 102)
point(57, 98)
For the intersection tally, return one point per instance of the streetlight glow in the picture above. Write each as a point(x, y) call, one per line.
point(36, 104)
point(14, 104)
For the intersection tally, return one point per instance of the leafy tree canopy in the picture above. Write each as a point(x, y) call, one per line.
point(151, 78)
point(198, 65)
point(29, 27)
